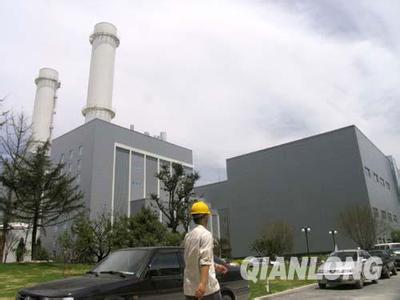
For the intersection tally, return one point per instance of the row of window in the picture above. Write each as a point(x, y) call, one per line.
point(377, 178)
point(392, 218)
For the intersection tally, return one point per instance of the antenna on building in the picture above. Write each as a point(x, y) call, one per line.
point(132, 127)
point(163, 136)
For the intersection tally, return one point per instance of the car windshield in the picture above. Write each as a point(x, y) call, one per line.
point(125, 261)
point(343, 255)
point(395, 246)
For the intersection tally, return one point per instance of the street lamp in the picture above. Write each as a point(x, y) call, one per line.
point(333, 233)
point(306, 230)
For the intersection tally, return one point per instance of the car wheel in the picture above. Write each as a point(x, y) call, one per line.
point(226, 297)
point(322, 286)
point(387, 273)
point(359, 284)
point(394, 271)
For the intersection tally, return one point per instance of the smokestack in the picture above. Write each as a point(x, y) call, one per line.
point(43, 111)
point(104, 42)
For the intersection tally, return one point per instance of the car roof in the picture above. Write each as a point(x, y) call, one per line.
point(150, 248)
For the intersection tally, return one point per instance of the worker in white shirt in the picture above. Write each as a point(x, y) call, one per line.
point(200, 281)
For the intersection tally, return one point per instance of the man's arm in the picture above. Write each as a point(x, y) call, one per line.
point(201, 289)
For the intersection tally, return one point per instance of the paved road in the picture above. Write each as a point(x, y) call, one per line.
point(386, 289)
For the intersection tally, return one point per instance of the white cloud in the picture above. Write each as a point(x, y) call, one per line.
point(221, 77)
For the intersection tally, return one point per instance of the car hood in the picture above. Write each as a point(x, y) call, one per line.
point(79, 286)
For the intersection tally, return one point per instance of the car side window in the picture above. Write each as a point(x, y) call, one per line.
point(164, 264)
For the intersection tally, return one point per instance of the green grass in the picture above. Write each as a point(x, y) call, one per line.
point(260, 288)
point(16, 276)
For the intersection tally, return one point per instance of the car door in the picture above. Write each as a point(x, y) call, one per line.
point(166, 274)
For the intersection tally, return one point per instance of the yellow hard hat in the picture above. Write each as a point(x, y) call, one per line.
point(200, 208)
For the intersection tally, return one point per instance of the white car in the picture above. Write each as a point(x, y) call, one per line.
point(349, 267)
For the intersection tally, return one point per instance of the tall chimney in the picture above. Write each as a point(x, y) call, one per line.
point(43, 111)
point(104, 42)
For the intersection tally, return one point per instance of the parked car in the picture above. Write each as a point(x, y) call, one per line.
point(134, 273)
point(388, 266)
point(348, 271)
point(394, 249)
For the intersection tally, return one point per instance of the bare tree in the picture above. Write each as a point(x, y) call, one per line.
point(14, 142)
point(276, 240)
point(179, 187)
point(359, 224)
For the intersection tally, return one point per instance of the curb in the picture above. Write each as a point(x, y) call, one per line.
point(290, 291)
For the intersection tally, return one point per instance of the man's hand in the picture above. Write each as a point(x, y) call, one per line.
point(220, 268)
point(201, 289)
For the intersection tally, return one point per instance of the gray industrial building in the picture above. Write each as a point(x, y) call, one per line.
point(115, 167)
point(307, 182)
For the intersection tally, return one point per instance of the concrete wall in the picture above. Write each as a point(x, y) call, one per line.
point(305, 183)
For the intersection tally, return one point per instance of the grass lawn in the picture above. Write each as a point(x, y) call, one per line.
point(259, 288)
point(16, 276)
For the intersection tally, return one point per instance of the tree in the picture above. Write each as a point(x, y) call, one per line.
point(179, 187)
point(94, 238)
point(276, 240)
point(359, 224)
point(143, 230)
point(14, 142)
point(20, 251)
point(222, 248)
point(45, 195)
point(395, 236)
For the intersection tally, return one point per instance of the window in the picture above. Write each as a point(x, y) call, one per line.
point(376, 212)
point(137, 176)
point(62, 158)
point(151, 179)
point(80, 149)
point(71, 154)
point(69, 167)
point(78, 164)
point(367, 171)
point(121, 182)
point(376, 177)
point(164, 264)
point(78, 178)
point(390, 217)
point(383, 213)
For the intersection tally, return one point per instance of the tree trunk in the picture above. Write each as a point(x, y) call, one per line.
point(3, 242)
point(33, 240)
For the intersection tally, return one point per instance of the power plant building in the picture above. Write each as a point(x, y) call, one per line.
point(305, 183)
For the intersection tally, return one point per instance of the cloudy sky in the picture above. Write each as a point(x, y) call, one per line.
point(221, 77)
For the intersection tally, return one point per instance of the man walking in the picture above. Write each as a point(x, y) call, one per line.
point(200, 281)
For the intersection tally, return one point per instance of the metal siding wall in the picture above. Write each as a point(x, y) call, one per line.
point(304, 183)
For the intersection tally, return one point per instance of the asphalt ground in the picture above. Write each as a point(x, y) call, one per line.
point(385, 289)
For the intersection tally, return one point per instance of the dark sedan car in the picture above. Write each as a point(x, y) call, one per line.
point(134, 273)
point(388, 266)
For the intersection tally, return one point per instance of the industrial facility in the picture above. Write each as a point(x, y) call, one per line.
point(305, 183)
point(114, 166)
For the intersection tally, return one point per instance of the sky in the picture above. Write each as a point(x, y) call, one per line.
point(222, 78)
